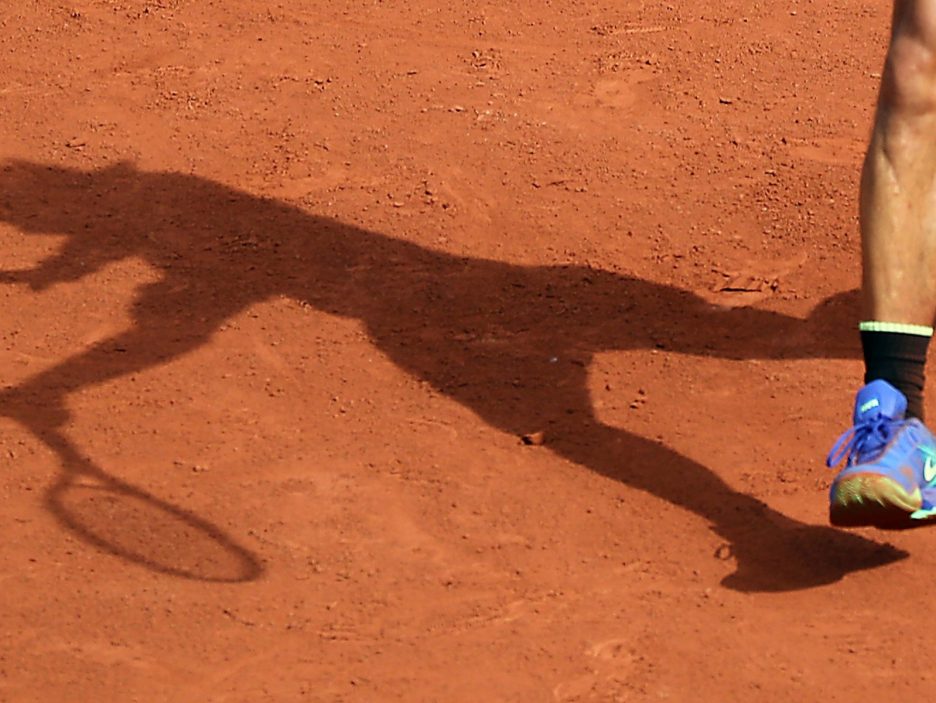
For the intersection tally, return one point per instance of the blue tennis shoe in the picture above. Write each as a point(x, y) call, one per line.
point(889, 479)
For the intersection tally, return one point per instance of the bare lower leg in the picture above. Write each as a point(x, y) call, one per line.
point(898, 188)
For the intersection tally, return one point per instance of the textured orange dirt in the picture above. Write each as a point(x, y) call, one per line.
point(285, 284)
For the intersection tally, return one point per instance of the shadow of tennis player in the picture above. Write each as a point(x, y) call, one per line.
point(483, 332)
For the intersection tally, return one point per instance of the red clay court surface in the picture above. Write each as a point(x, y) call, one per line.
point(286, 283)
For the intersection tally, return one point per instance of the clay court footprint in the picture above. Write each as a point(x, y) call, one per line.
point(611, 650)
point(620, 92)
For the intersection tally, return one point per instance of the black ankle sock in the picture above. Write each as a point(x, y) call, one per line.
point(900, 359)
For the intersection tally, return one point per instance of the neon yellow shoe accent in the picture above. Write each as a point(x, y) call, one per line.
point(870, 499)
point(897, 327)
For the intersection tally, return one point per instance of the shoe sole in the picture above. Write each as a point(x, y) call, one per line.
point(873, 500)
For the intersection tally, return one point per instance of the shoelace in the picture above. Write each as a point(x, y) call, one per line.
point(861, 439)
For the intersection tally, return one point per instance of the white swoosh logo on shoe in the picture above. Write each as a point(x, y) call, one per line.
point(929, 469)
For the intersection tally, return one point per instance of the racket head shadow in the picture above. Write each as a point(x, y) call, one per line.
point(130, 523)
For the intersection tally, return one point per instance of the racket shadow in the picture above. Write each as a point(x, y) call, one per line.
point(132, 524)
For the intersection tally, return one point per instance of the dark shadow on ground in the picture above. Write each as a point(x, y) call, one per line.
point(482, 332)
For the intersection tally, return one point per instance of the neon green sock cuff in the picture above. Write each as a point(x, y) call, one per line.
point(895, 327)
